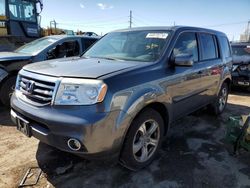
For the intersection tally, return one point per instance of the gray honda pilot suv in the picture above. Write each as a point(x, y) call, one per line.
point(120, 98)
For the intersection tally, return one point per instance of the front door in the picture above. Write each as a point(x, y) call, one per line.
point(187, 85)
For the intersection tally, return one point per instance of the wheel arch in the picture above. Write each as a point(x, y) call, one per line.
point(159, 107)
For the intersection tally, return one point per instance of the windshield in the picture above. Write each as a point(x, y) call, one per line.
point(37, 46)
point(241, 50)
point(145, 46)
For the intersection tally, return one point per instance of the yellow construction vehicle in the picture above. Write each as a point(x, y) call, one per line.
point(19, 22)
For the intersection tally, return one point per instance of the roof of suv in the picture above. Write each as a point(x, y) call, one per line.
point(172, 28)
point(72, 36)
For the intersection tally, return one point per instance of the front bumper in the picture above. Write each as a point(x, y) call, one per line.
point(241, 79)
point(98, 132)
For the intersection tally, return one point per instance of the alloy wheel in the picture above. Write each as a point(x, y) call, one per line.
point(223, 99)
point(146, 140)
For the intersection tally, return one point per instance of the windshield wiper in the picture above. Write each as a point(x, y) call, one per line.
point(111, 58)
point(108, 58)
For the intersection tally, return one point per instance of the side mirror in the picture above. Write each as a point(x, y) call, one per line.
point(184, 60)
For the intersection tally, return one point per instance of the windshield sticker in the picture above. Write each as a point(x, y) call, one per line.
point(157, 35)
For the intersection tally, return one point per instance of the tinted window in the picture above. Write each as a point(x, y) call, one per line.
point(225, 48)
point(88, 42)
point(208, 48)
point(186, 44)
point(67, 49)
point(241, 50)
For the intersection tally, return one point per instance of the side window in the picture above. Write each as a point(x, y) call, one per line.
point(208, 47)
point(186, 44)
point(87, 43)
point(225, 48)
point(66, 49)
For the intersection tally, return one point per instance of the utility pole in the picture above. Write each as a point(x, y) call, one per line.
point(248, 31)
point(130, 19)
point(53, 24)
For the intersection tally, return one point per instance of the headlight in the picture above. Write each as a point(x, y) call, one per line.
point(80, 92)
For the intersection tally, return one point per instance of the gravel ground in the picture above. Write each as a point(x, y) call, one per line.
point(194, 154)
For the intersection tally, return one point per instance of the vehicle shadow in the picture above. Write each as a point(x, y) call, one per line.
point(5, 117)
point(240, 91)
point(194, 154)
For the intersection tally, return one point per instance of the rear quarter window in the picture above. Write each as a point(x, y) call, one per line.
point(225, 47)
point(87, 43)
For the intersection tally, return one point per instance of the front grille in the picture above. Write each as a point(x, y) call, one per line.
point(35, 90)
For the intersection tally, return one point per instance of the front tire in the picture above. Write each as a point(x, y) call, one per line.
point(220, 104)
point(6, 91)
point(143, 140)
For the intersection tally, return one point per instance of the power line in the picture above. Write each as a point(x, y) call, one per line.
point(142, 18)
point(96, 21)
point(225, 24)
point(142, 22)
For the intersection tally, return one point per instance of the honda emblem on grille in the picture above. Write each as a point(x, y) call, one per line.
point(30, 87)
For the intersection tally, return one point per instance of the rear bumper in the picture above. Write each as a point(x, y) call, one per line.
point(241, 79)
point(98, 132)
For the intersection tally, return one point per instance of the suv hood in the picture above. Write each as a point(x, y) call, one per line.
point(79, 67)
point(9, 56)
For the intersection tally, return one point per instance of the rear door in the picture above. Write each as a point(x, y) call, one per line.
point(210, 65)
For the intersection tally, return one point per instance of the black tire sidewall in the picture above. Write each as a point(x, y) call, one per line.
point(127, 158)
point(6, 89)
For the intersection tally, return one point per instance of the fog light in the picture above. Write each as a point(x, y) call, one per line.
point(74, 144)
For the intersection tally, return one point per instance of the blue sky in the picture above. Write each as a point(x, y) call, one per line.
point(102, 16)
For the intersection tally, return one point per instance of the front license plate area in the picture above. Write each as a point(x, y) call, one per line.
point(23, 126)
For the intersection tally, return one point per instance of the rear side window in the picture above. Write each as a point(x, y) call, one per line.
point(88, 42)
point(208, 47)
point(225, 48)
point(186, 44)
point(241, 50)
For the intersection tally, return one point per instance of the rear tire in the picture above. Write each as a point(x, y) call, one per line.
point(221, 102)
point(143, 140)
point(6, 91)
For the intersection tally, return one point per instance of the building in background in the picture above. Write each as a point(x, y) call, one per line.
point(245, 37)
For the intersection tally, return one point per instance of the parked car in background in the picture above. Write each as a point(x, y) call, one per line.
point(46, 48)
point(241, 65)
point(120, 98)
point(92, 34)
